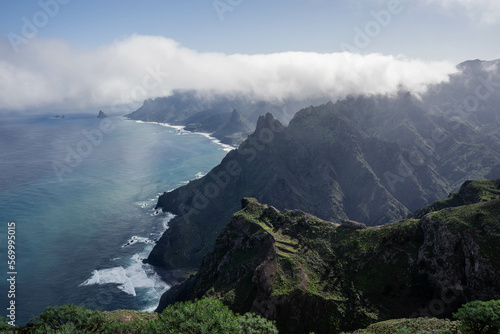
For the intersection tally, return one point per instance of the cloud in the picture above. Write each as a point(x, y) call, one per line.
point(51, 73)
point(483, 11)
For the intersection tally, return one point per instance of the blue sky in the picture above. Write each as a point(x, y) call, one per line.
point(255, 26)
point(417, 30)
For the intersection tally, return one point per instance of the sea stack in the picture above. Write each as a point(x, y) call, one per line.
point(101, 114)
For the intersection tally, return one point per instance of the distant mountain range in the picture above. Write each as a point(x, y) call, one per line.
point(230, 118)
point(370, 159)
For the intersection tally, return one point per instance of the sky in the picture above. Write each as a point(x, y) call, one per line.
point(81, 55)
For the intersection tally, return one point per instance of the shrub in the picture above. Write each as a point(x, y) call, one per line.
point(479, 317)
point(413, 325)
point(68, 318)
point(201, 316)
point(208, 316)
point(254, 324)
point(4, 326)
point(131, 327)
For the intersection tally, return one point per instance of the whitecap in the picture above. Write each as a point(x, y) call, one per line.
point(156, 212)
point(162, 227)
point(136, 274)
point(169, 216)
point(115, 275)
point(224, 147)
point(143, 204)
point(180, 131)
point(135, 239)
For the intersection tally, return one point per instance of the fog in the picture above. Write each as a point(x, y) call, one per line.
point(52, 73)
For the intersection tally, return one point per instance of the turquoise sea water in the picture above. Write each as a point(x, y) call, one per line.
point(81, 193)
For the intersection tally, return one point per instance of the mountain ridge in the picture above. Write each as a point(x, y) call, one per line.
point(313, 275)
point(214, 113)
point(331, 161)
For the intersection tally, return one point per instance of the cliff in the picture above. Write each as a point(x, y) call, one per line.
point(371, 160)
point(309, 274)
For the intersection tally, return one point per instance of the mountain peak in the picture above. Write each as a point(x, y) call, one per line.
point(101, 114)
point(235, 116)
point(268, 121)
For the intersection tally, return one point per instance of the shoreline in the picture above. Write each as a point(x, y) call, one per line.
point(173, 277)
point(225, 147)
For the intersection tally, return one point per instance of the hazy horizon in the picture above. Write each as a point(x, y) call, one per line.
point(61, 54)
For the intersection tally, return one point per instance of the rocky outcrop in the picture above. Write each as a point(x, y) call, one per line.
point(101, 115)
point(313, 275)
point(458, 262)
point(235, 131)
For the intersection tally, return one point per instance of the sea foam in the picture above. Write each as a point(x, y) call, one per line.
point(136, 274)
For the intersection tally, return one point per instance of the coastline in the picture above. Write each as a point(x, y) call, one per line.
point(225, 147)
point(172, 277)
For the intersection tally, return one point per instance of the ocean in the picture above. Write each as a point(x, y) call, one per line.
point(81, 193)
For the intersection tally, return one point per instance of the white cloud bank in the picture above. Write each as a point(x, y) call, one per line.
point(483, 11)
point(49, 73)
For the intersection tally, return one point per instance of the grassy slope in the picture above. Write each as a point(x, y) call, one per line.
point(331, 277)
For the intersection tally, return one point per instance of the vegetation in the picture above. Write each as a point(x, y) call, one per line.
point(3, 325)
point(415, 325)
point(313, 275)
point(476, 317)
point(208, 316)
point(196, 317)
point(67, 318)
point(470, 192)
point(479, 317)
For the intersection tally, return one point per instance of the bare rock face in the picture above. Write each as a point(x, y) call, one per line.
point(456, 260)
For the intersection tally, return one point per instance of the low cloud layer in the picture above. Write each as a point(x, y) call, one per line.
point(50, 73)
